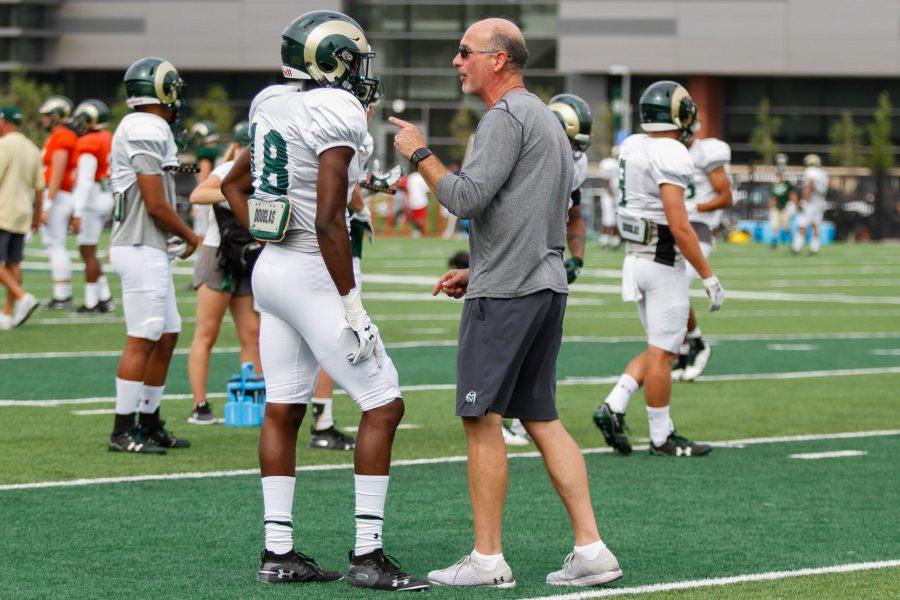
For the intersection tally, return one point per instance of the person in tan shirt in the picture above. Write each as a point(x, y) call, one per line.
point(21, 187)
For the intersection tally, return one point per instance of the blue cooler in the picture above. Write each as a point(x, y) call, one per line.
point(246, 398)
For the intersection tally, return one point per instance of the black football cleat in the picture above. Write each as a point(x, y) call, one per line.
point(106, 306)
point(293, 567)
point(134, 441)
point(65, 304)
point(331, 439)
point(84, 310)
point(164, 437)
point(680, 447)
point(378, 571)
point(612, 426)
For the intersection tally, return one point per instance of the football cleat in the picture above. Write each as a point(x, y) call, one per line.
point(698, 357)
point(612, 426)
point(203, 415)
point(678, 367)
point(468, 573)
point(577, 571)
point(293, 567)
point(680, 447)
point(331, 439)
point(164, 437)
point(512, 438)
point(134, 441)
point(64, 304)
point(378, 571)
point(106, 306)
point(84, 310)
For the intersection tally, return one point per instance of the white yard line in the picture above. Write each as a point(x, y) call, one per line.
point(657, 588)
point(835, 454)
point(423, 461)
point(741, 337)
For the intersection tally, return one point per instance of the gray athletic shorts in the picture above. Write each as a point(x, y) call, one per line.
point(208, 273)
point(506, 360)
point(12, 247)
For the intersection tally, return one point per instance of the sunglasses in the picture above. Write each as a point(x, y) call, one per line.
point(465, 53)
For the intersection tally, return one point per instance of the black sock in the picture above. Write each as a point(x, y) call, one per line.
point(123, 423)
point(150, 420)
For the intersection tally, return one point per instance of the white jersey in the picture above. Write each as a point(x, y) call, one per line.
point(289, 129)
point(708, 154)
point(140, 133)
point(365, 152)
point(581, 170)
point(819, 178)
point(609, 172)
point(645, 163)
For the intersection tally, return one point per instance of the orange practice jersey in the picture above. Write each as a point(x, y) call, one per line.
point(61, 138)
point(98, 143)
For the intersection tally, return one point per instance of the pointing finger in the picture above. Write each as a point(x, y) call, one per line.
point(399, 122)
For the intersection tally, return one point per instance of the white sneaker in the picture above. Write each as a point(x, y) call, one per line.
point(576, 571)
point(23, 309)
point(510, 438)
point(5, 321)
point(515, 425)
point(467, 573)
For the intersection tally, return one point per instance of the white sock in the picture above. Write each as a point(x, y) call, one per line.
point(604, 239)
point(685, 348)
point(488, 562)
point(326, 418)
point(62, 291)
point(128, 396)
point(660, 424)
point(620, 395)
point(278, 500)
point(591, 551)
point(695, 333)
point(371, 491)
point(797, 243)
point(103, 292)
point(90, 295)
point(814, 245)
point(151, 396)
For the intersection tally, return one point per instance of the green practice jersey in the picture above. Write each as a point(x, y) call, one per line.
point(782, 192)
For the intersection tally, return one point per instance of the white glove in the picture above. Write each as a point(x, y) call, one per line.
point(175, 247)
point(364, 216)
point(716, 293)
point(366, 332)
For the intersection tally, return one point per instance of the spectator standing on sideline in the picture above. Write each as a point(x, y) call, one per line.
point(417, 202)
point(21, 193)
point(514, 186)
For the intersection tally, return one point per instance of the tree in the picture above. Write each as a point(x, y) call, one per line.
point(603, 130)
point(214, 106)
point(118, 109)
point(28, 95)
point(846, 140)
point(762, 138)
point(881, 151)
point(462, 126)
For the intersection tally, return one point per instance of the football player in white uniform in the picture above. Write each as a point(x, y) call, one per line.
point(324, 434)
point(812, 204)
point(92, 198)
point(143, 156)
point(300, 169)
point(609, 198)
point(655, 172)
point(707, 197)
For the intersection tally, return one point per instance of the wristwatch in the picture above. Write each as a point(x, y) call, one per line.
point(419, 155)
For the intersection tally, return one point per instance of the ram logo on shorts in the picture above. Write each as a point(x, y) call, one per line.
point(470, 398)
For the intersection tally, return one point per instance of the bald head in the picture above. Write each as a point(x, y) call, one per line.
point(501, 35)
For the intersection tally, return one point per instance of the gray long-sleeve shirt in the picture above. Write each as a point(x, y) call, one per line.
point(514, 186)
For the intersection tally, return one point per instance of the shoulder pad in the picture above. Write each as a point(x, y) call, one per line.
point(716, 151)
point(671, 156)
point(269, 92)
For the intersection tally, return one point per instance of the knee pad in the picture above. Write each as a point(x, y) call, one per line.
point(60, 263)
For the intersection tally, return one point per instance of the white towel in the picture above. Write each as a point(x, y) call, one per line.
point(630, 290)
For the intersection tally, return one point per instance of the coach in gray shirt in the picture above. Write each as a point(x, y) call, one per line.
point(514, 187)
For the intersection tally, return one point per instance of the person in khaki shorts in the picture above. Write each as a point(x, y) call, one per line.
point(21, 188)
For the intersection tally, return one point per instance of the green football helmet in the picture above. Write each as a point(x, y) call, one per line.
point(331, 49)
point(667, 106)
point(575, 116)
point(153, 80)
point(90, 115)
point(58, 108)
point(204, 132)
point(241, 133)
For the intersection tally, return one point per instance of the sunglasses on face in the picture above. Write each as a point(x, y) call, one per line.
point(465, 53)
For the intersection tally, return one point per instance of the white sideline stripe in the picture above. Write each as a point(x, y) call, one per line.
point(886, 351)
point(436, 387)
point(94, 411)
point(78, 266)
point(743, 337)
point(425, 461)
point(835, 454)
point(656, 588)
point(792, 347)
